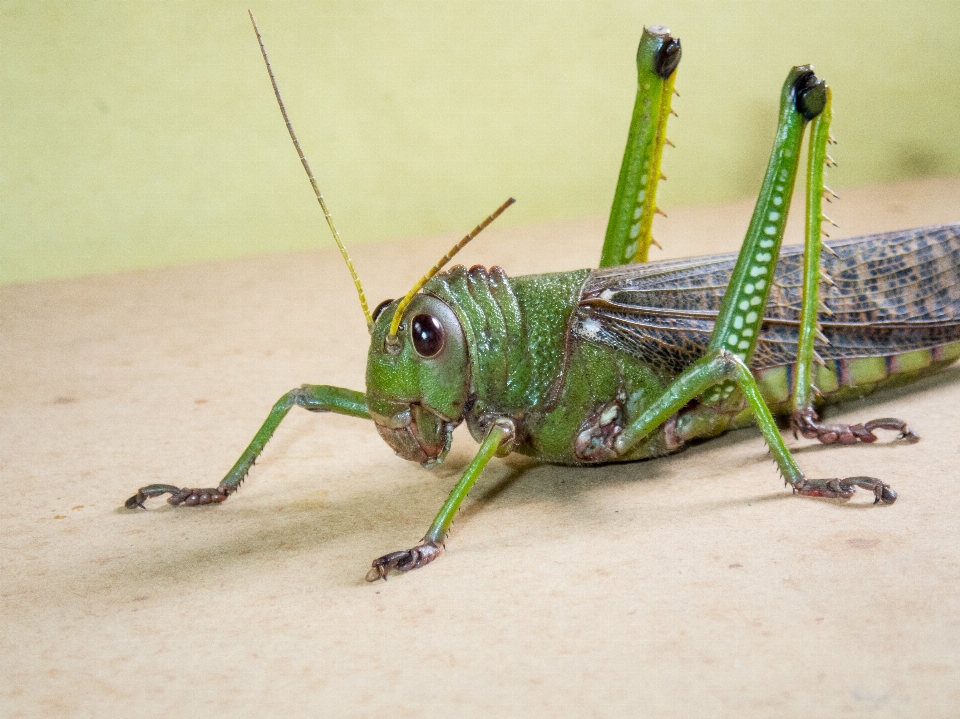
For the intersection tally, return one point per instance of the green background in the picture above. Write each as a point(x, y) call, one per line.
point(146, 134)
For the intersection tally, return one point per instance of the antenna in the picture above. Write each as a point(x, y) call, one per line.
point(313, 181)
point(398, 313)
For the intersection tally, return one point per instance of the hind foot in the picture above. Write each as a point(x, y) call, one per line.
point(190, 497)
point(806, 422)
point(845, 488)
point(404, 561)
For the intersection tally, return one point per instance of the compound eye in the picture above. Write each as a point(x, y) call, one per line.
point(428, 335)
point(380, 308)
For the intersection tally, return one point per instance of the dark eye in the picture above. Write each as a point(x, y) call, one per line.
point(380, 308)
point(427, 335)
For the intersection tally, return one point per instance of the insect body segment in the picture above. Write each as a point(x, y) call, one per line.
point(635, 360)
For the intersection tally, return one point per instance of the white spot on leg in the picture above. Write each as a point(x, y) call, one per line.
point(757, 271)
point(732, 340)
point(748, 288)
point(770, 230)
point(766, 244)
point(763, 257)
point(751, 317)
point(631, 251)
point(635, 231)
point(738, 322)
point(744, 304)
point(773, 216)
point(761, 284)
point(777, 200)
point(755, 300)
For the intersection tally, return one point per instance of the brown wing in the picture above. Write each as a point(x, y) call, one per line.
point(892, 293)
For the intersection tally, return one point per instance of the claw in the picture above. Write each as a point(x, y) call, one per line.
point(404, 561)
point(152, 490)
point(884, 494)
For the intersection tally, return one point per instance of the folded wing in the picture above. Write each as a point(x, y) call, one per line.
point(893, 293)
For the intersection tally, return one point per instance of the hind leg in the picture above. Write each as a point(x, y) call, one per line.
point(803, 418)
point(629, 230)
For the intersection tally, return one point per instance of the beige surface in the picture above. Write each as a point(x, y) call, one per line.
point(689, 586)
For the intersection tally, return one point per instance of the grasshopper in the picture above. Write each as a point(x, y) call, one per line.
point(637, 359)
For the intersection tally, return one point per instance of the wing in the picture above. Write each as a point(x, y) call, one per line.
point(892, 293)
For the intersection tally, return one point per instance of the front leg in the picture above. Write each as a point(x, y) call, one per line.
point(313, 397)
point(500, 435)
point(721, 368)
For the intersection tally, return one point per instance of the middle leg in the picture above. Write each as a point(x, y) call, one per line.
point(500, 436)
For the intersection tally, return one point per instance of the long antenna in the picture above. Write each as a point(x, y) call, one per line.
point(313, 181)
point(398, 313)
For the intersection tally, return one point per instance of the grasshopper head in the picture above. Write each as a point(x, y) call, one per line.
point(418, 383)
point(417, 369)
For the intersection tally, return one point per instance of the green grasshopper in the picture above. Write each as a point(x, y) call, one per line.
point(636, 359)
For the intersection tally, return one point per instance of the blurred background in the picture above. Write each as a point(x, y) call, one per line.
point(137, 134)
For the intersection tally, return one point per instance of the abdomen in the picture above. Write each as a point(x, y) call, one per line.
point(839, 380)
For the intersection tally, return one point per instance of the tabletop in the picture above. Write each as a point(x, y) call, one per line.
point(694, 584)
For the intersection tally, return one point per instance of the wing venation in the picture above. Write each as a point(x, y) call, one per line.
point(892, 293)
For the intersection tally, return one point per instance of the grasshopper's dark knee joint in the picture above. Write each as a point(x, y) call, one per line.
point(809, 94)
point(298, 396)
point(303, 396)
point(732, 367)
point(403, 561)
point(668, 57)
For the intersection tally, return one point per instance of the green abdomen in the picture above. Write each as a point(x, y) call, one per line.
point(844, 379)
